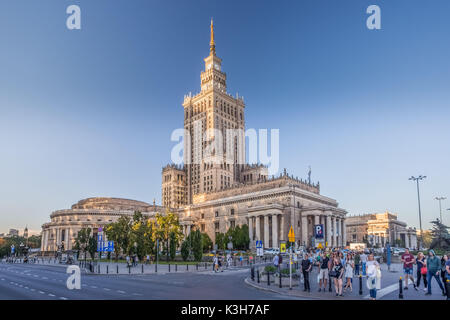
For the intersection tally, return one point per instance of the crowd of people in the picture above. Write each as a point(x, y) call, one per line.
point(340, 267)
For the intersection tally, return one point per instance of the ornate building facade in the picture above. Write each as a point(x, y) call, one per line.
point(219, 191)
point(88, 213)
point(214, 193)
point(380, 228)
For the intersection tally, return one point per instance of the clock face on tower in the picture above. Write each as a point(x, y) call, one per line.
point(217, 66)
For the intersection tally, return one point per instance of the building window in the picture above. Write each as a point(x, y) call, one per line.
point(217, 213)
point(216, 226)
point(202, 227)
point(232, 224)
point(232, 212)
point(203, 216)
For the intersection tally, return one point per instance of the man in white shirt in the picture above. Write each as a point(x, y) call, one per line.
point(363, 257)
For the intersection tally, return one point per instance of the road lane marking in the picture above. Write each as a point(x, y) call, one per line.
point(120, 291)
point(107, 289)
point(93, 287)
point(41, 292)
point(51, 295)
point(63, 298)
point(382, 292)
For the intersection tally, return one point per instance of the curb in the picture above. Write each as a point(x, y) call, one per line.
point(250, 283)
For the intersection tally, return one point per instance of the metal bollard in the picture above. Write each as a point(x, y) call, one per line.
point(196, 266)
point(400, 288)
point(268, 278)
point(142, 268)
point(117, 269)
point(252, 273)
point(187, 267)
point(107, 269)
point(360, 285)
point(257, 275)
point(98, 268)
point(176, 267)
point(205, 266)
point(169, 267)
point(156, 267)
point(129, 269)
point(280, 280)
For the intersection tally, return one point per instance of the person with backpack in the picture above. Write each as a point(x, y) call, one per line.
point(434, 267)
point(323, 272)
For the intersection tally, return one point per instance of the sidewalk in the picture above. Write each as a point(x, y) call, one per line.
point(389, 287)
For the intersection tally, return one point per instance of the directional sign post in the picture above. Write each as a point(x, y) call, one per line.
point(291, 237)
point(259, 248)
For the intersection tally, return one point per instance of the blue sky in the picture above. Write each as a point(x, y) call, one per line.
point(89, 112)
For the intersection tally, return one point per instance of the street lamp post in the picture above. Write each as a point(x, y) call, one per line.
point(420, 177)
point(440, 206)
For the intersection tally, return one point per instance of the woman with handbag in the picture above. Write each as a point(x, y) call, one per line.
point(337, 272)
point(421, 262)
point(373, 276)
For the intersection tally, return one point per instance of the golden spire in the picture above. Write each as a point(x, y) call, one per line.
point(212, 45)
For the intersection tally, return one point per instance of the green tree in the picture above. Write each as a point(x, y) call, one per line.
point(220, 240)
point(165, 225)
point(173, 246)
point(197, 244)
point(440, 236)
point(82, 241)
point(207, 242)
point(186, 249)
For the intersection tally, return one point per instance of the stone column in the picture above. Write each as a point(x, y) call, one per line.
point(406, 240)
point(188, 229)
point(304, 229)
point(258, 228)
point(266, 242)
point(250, 230)
point(333, 223)
point(282, 228)
point(274, 231)
point(328, 230)
point(344, 232)
point(316, 219)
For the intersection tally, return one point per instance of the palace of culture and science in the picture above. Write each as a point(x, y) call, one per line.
point(212, 194)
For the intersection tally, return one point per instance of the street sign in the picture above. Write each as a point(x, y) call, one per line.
point(283, 247)
point(291, 235)
point(326, 244)
point(12, 248)
point(320, 245)
point(318, 228)
point(259, 252)
point(230, 245)
point(259, 244)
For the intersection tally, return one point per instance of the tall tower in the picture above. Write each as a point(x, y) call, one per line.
point(213, 156)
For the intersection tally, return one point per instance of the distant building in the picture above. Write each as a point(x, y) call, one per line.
point(25, 233)
point(379, 228)
point(13, 232)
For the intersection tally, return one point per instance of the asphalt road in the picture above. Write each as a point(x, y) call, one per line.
point(42, 282)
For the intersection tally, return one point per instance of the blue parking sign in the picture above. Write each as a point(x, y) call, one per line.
point(318, 231)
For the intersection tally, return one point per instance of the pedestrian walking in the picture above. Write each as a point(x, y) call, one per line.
point(444, 260)
point(408, 264)
point(216, 263)
point(306, 268)
point(373, 276)
point(337, 273)
point(421, 273)
point(447, 269)
point(323, 272)
point(433, 267)
point(363, 257)
point(357, 263)
point(349, 267)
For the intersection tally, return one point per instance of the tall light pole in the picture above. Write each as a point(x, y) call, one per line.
point(420, 177)
point(440, 207)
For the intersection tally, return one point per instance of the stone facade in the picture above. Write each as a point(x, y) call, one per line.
point(380, 228)
point(88, 213)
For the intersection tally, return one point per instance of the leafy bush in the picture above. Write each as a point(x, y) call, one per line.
point(270, 269)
